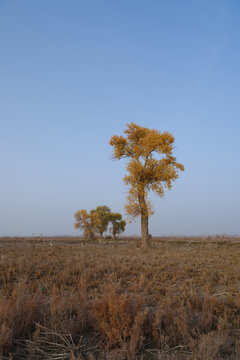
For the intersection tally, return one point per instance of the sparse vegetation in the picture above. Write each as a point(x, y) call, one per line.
point(178, 300)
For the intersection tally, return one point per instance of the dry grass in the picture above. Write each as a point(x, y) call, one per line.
point(178, 300)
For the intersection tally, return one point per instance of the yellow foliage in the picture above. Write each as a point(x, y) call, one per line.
point(88, 222)
point(144, 171)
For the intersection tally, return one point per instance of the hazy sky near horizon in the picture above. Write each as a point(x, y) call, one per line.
point(73, 73)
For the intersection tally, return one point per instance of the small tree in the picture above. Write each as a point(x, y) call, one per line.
point(103, 213)
point(87, 222)
point(146, 172)
point(118, 225)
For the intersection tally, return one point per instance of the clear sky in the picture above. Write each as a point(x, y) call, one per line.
point(73, 73)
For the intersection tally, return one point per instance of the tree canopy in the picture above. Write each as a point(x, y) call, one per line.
point(97, 222)
point(118, 225)
point(88, 222)
point(103, 213)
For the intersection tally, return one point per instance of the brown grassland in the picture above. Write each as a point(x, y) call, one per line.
point(60, 299)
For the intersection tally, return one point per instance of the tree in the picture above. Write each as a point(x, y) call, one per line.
point(103, 213)
point(87, 222)
point(145, 172)
point(118, 225)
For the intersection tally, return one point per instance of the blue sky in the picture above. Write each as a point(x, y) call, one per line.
point(73, 73)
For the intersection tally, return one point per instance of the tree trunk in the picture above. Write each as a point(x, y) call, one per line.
point(114, 231)
point(144, 231)
point(100, 239)
point(144, 221)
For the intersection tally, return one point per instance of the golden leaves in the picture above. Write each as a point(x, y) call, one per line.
point(119, 144)
point(144, 171)
point(88, 222)
point(97, 221)
point(134, 206)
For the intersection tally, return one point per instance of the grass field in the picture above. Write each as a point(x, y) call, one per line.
point(60, 299)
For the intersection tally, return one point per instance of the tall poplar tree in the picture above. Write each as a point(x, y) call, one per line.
point(151, 167)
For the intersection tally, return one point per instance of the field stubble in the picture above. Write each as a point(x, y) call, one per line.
point(62, 300)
